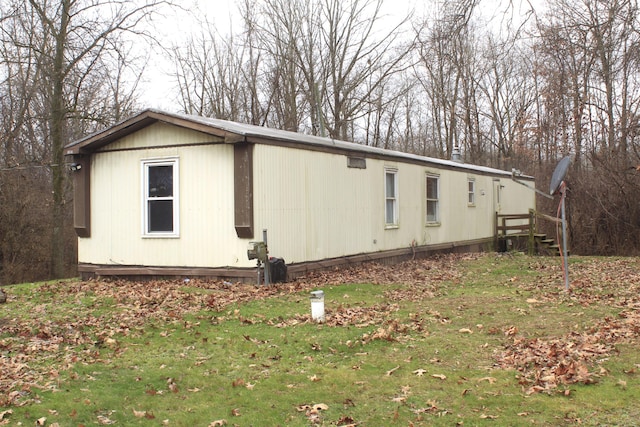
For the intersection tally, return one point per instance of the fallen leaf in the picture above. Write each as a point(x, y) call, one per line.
point(346, 421)
point(465, 331)
point(533, 390)
point(490, 380)
point(549, 379)
point(235, 412)
point(218, 423)
point(3, 414)
point(312, 409)
point(41, 421)
point(439, 376)
point(488, 417)
point(391, 371)
point(314, 378)
point(250, 386)
point(105, 420)
point(511, 331)
point(420, 372)
point(348, 402)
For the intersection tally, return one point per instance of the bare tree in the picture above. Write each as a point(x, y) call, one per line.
point(445, 64)
point(355, 56)
point(587, 67)
point(508, 90)
point(304, 66)
point(60, 57)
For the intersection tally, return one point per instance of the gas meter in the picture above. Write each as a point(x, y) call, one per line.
point(257, 250)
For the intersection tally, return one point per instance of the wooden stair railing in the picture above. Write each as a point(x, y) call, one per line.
point(536, 242)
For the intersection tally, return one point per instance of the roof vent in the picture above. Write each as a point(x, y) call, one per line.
point(456, 155)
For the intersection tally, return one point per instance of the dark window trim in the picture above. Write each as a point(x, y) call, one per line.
point(81, 173)
point(243, 189)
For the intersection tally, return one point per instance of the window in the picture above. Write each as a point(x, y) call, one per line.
point(160, 197)
point(471, 184)
point(391, 197)
point(433, 196)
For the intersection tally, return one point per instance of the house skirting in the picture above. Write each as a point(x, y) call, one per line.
point(139, 272)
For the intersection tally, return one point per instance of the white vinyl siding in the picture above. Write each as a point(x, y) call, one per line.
point(160, 197)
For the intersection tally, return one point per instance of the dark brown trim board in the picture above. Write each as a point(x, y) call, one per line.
point(243, 189)
point(81, 172)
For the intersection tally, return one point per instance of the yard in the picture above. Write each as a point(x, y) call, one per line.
point(477, 339)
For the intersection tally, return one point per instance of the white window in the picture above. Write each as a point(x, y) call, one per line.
point(391, 197)
point(433, 199)
point(471, 187)
point(160, 197)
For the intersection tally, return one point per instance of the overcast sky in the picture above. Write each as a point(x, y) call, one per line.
point(158, 89)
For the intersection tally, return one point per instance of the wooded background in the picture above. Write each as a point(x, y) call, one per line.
point(510, 84)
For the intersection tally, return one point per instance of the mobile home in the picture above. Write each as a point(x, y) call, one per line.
point(164, 194)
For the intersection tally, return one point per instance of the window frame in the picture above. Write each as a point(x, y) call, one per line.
point(436, 200)
point(393, 199)
point(146, 164)
point(471, 191)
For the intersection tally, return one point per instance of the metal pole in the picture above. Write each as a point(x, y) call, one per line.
point(564, 240)
point(258, 280)
point(266, 262)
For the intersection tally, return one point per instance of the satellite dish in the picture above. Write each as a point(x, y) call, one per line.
point(558, 174)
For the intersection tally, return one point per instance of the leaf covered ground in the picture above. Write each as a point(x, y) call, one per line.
point(55, 333)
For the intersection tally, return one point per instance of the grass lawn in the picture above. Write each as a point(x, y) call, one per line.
point(468, 340)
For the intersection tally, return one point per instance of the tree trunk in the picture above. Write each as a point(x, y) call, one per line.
point(58, 115)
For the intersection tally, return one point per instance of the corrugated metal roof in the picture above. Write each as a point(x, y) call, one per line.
point(248, 131)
